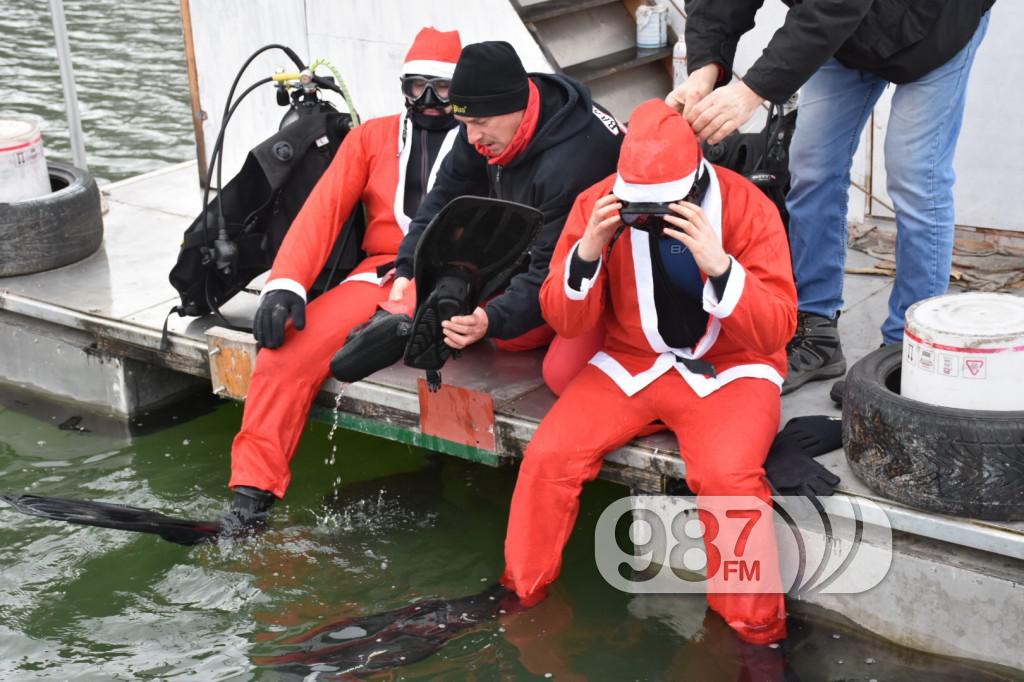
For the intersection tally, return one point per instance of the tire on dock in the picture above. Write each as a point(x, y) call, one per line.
point(940, 459)
point(55, 229)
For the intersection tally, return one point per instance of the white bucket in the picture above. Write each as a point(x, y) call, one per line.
point(965, 351)
point(651, 27)
point(23, 173)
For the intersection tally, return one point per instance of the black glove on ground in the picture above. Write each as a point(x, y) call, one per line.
point(273, 314)
point(790, 465)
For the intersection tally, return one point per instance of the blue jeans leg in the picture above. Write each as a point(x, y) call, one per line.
point(834, 106)
point(920, 143)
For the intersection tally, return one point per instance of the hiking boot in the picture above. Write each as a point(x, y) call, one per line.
point(814, 353)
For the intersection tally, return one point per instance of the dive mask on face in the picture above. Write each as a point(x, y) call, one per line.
point(650, 216)
point(424, 92)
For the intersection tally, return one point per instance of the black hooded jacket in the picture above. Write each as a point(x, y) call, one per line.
point(898, 40)
point(575, 145)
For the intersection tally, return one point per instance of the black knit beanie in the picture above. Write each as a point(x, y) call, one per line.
point(489, 80)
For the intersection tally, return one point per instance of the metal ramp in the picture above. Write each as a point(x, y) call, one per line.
point(594, 41)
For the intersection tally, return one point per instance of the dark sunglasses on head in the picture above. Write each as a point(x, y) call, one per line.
point(650, 216)
point(415, 87)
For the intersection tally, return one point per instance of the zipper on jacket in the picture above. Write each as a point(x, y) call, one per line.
point(497, 181)
point(424, 163)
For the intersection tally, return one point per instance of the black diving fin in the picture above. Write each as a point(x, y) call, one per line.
point(117, 516)
point(467, 253)
point(384, 641)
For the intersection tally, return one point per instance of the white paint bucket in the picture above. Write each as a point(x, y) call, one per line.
point(23, 173)
point(965, 351)
point(651, 27)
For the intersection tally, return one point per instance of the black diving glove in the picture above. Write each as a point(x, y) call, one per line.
point(271, 317)
point(790, 466)
point(249, 511)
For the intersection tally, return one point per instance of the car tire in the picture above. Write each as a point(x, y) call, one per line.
point(53, 230)
point(940, 459)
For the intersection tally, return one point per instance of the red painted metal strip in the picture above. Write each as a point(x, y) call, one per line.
point(39, 138)
point(458, 414)
point(983, 351)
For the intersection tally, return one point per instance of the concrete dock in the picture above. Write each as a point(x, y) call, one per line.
point(91, 333)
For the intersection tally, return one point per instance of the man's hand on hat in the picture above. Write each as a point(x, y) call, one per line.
point(465, 330)
point(697, 235)
point(723, 111)
point(604, 220)
point(696, 87)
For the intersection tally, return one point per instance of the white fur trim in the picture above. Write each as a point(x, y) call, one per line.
point(642, 274)
point(429, 67)
point(284, 284)
point(585, 284)
point(405, 153)
point(629, 383)
point(704, 386)
point(730, 297)
point(370, 277)
point(674, 190)
point(446, 146)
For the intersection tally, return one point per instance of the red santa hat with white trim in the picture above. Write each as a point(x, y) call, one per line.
point(433, 53)
point(660, 156)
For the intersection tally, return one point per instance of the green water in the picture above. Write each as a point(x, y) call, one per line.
point(367, 526)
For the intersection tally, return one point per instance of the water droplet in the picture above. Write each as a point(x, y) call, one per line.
point(501, 629)
point(869, 661)
point(442, 626)
point(840, 661)
point(186, 441)
point(40, 442)
point(548, 675)
point(835, 636)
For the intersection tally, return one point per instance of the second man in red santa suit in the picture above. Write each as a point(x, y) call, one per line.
point(687, 266)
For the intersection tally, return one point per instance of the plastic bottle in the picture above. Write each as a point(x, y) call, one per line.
point(679, 73)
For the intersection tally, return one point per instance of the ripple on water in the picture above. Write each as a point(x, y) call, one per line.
point(130, 74)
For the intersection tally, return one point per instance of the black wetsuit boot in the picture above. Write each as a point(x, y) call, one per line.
point(249, 511)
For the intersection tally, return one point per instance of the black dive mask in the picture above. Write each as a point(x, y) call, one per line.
point(650, 216)
point(424, 92)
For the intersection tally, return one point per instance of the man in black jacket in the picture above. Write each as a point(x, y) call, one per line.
point(844, 53)
point(537, 140)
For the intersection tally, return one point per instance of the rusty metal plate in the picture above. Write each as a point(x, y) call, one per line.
point(232, 358)
point(457, 414)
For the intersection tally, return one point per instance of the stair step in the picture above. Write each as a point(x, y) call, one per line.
point(556, 8)
point(616, 62)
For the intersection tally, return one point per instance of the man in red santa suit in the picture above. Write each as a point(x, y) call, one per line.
point(687, 266)
point(389, 165)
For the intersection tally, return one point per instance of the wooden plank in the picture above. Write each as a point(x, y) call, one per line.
point(193, 89)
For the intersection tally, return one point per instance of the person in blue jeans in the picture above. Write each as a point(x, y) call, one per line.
point(844, 55)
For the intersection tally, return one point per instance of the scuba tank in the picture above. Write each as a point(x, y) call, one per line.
point(238, 233)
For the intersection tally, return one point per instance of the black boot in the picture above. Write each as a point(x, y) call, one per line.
point(814, 353)
point(249, 511)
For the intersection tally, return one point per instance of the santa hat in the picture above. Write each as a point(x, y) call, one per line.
point(433, 53)
point(660, 156)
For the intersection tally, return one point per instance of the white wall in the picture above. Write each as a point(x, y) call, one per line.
point(366, 41)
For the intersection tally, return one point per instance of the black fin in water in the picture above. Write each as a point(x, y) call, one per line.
point(117, 516)
point(395, 638)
